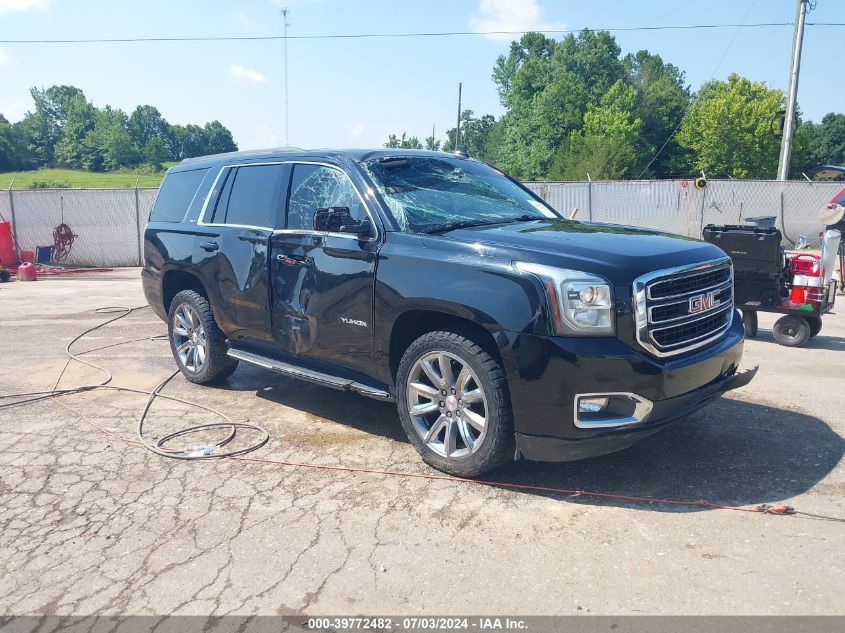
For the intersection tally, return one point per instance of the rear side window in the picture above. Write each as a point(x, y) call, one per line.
point(177, 192)
point(252, 196)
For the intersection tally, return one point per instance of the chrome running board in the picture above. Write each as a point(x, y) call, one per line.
point(319, 378)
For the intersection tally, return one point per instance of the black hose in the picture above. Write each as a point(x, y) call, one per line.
point(204, 451)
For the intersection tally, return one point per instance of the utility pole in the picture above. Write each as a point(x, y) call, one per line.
point(789, 122)
point(285, 17)
point(458, 129)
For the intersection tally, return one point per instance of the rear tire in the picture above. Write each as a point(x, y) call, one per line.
point(198, 345)
point(749, 323)
point(815, 325)
point(454, 404)
point(791, 331)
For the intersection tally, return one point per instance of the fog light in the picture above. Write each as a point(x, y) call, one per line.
point(592, 405)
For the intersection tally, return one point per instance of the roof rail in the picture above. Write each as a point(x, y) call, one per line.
point(248, 152)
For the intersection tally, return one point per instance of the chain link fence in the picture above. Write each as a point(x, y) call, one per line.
point(109, 223)
point(676, 206)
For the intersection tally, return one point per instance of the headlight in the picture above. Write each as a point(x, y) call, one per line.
point(581, 303)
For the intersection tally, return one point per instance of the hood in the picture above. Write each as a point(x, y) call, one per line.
point(618, 253)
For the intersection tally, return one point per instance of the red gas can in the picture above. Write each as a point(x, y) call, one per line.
point(27, 272)
point(806, 264)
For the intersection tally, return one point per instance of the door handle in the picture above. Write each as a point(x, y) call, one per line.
point(292, 260)
point(209, 246)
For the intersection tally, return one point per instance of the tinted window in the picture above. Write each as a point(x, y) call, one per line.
point(174, 198)
point(317, 187)
point(218, 216)
point(252, 196)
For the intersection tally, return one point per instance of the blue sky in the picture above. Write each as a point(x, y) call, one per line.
point(355, 92)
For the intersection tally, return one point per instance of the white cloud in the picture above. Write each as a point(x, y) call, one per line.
point(356, 131)
point(510, 15)
point(4, 58)
point(242, 72)
point(11, 6)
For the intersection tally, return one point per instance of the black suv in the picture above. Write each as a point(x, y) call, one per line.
point(501, 329)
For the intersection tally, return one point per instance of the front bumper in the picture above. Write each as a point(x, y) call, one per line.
point(556, 449)
point(547, 374)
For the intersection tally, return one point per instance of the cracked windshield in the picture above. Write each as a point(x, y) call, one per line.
point(426, 194)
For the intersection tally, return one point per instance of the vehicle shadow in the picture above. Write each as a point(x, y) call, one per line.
point(731, 452)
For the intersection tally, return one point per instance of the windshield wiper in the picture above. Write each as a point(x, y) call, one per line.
point(466, 224)
point(460, 224)
point(525, 217)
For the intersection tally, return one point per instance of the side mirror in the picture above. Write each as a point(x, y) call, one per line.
point(339, 220)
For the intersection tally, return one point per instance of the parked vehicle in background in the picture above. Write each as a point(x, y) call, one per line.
point(500, 329)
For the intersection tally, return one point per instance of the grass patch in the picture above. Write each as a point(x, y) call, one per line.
point(80, 179)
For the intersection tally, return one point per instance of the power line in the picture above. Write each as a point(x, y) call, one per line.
point(350, 36)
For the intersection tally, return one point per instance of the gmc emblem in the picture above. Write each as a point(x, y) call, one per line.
point(706, 301)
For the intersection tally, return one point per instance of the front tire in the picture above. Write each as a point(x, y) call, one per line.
point(198, 345)
point(749, 323)
point(791, 331)
point(454, 404)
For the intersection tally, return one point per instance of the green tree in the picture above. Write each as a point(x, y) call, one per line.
point(605, 148)
point(146, 123)
point(45, 126)
point(402, 142)
point(593, 57)
point(34, 133)
point(524, 71)
point(14, 153)
point(727, 128)
point(546, 87)
point(826, 140)
point(431, 144)
point(188, 141)
point(662, 100)
point(80, 118)
point(475, 135)
point(218, 139)
point(108, 146)
point(154, 153)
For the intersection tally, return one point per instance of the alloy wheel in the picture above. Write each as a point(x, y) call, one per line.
point(447, 404)
point(189, 338)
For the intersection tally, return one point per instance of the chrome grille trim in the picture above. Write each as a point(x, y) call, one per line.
point(643, 305)
point(693, 274)
point(670, 302)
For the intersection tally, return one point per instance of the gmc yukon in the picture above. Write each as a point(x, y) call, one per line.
point(500, 329)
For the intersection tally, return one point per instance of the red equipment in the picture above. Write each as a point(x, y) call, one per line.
point(806, 279)
point(27, 272)
point(8, 257)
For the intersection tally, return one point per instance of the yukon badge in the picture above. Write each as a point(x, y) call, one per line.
point(349, 321)
point(706, 301)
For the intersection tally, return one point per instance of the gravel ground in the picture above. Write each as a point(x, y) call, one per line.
point(92, 524)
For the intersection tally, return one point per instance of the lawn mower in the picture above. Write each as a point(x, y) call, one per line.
point(768, 278)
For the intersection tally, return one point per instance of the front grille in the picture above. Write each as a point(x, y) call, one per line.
point(692, 330)
point(679, 310)
point(685, 284)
